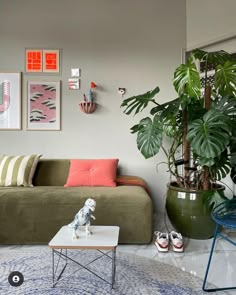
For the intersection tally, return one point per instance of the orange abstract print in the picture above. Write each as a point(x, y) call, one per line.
point(34, 61)
point(42, 60)
point(50, 61)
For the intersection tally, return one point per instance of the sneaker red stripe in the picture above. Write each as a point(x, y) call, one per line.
point(161, 246)
point(179, 247)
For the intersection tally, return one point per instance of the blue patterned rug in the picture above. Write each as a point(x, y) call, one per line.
point(135, 275)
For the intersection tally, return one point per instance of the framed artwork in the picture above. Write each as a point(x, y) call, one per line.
point(42, 60)
point(75, 72)
point(73, 83)
point(10, 101)
point(43, 105)
point(51, 61)
point(33, 60)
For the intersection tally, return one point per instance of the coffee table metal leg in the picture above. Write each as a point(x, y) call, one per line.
point(65, 257)
point(113, 267)
point(54, 271)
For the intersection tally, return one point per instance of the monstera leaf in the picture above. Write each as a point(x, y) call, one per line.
point(213, 57)
point(149, 137)
point(196, 110)
point(187, 79)
point(170, 115)
point(213, 198)
point(225, 78)
point(172, 105)
point(225, 105)
point(233, 174)
point(210, 135)
point(233, 148)
point(221, 167)
point(137, 103)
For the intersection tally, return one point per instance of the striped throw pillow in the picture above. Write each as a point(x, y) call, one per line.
point(17, 170)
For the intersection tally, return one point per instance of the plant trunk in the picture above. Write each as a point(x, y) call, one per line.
point(206, 181)
point(186, 149)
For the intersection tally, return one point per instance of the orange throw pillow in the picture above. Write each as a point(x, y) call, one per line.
point(92, 172)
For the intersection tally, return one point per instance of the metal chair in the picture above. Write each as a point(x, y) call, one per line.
point(224, 216)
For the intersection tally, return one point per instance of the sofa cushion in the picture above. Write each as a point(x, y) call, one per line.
point(17, 170)
point(51, 172)
point(92, 172)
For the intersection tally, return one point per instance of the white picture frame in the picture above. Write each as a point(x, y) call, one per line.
point(10, 101)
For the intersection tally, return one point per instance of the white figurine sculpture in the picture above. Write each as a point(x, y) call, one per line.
point(83, 217)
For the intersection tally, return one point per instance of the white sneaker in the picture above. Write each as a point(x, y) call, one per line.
point(162, 241)
point(176, 241)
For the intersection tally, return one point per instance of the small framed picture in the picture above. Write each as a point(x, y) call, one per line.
point(43, 105)
point(33, 60)
point(73, 83)
point(75, 72)
point(10, 101)
point(51, 61)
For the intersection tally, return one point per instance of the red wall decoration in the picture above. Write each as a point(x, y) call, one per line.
point(42, 60)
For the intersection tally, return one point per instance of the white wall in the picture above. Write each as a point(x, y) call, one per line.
point(132, 44)
point(209, 21)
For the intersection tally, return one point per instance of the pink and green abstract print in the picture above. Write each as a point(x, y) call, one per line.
point(42, 103)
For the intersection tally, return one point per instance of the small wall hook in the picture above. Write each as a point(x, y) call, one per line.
point(121, 91)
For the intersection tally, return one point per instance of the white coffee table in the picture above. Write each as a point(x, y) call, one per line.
point(103, 239)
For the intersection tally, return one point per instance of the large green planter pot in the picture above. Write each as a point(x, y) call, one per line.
point(188, 214)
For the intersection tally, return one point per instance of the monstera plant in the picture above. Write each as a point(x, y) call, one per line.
point(200, 122)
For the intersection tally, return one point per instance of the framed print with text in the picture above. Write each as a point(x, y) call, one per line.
point(43, 105)
point(10, 101)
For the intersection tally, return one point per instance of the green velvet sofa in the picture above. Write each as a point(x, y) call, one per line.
point(33, 215)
